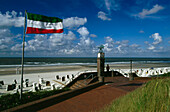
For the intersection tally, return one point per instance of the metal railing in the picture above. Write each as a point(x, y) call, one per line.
point(120, 71)
point(85, 80)
point(75, 76)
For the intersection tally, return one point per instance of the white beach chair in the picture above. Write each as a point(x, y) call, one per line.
point(160, 71)
point(165, 70)
point(156, 72)
point(145, 73)
point(139, 73)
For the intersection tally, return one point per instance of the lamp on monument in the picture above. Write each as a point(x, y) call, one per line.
point(100, 53)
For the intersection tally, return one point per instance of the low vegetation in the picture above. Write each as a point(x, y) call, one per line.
point(154, 96)
point(165, 75)
point(12, 100)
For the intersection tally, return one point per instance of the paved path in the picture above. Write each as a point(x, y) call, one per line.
point(97, 98)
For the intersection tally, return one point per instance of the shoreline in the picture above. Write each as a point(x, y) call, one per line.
point(43, 69)
point(48, 69)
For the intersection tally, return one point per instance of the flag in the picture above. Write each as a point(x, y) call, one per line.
point(39, 24)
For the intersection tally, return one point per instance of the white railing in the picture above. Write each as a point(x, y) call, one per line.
point(144, 72)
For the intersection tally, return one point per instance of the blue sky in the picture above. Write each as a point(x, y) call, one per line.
point(126, 28)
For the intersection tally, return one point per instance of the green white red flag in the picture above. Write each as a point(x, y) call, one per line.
point(39, 24)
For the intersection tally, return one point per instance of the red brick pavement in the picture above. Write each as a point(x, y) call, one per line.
point(97, 98)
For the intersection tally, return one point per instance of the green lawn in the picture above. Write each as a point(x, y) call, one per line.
point(154, 96)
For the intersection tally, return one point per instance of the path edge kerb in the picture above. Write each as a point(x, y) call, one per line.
point(51, 100)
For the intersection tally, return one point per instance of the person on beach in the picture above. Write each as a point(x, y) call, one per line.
point(107, 67)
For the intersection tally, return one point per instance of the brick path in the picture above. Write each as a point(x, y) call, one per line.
point(97, 98)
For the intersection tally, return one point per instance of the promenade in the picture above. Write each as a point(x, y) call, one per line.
point(98, 98)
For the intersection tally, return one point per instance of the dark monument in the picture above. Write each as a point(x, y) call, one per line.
point(100, 64)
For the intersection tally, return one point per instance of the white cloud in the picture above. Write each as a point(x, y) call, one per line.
point(17, 47)
point(39, 43)
point(10, 19)
point(74, 22)
point(3, 47)
point(93, 35)
point(86, 45)
point(146, 13)
point(134, 46)
point(62, 39)
point(103, 16)
point(123, 46)
point(151, 47)
point(157, 38)
point(83, 31)
point(5, 39)
point(154, 46)
point(45, 45)
point(109, 44)
point(120, 48)
point(107, 48)
point(108, 39)
point(70, 36)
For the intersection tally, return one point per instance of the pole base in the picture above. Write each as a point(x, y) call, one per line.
point(131, 77)
point(101, 79)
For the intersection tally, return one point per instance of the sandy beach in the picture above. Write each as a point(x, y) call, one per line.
point(34, 73)
point(49, 72)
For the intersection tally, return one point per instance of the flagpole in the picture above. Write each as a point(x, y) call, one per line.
point(23, 46)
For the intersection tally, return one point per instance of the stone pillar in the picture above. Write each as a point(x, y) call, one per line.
point(100, 66)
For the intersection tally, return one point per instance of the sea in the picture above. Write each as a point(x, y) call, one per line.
point(7, 62)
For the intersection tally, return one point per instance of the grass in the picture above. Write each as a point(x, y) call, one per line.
point(154, 96)
point(12, 100)
point(165, 75)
